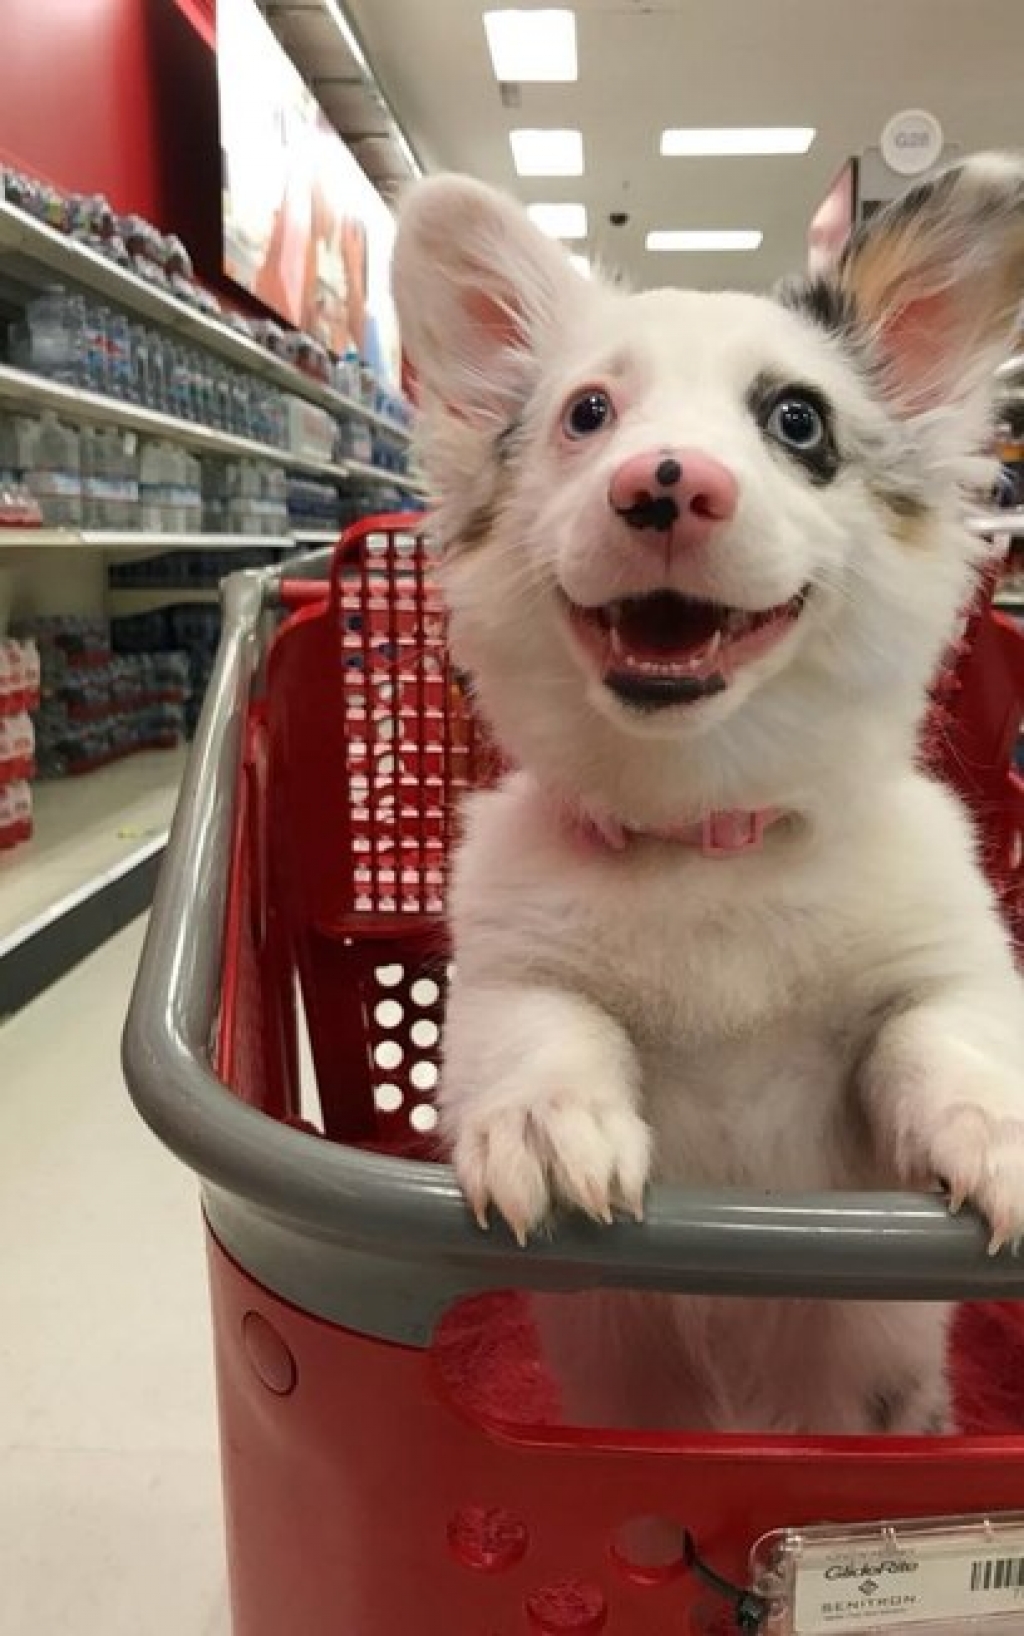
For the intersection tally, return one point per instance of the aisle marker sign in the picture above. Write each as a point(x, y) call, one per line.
point(912, 142)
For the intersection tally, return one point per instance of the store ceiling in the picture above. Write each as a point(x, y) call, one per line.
point(843, 66)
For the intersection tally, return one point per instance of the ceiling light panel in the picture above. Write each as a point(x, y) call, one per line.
point(704, 239)
point(729, 142)
point(532, 45)
point(559, 221)
point(547, 153)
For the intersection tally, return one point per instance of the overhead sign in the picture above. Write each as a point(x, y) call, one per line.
point(912, 142)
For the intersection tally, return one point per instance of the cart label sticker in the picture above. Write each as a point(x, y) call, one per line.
point(894, 1582)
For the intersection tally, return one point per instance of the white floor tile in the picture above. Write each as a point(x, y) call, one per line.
point(101, 1544)
point(109, 1487)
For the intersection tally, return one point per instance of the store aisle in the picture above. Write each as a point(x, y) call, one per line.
point(109, 1501)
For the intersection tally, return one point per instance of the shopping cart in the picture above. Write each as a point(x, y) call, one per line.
point(365, 1494)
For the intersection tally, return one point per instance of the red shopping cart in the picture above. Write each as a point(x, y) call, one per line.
point(367, 1493)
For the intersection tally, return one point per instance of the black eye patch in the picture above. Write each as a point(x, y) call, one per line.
point(799, 421)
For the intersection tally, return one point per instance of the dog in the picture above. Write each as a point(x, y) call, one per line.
point(702, 556)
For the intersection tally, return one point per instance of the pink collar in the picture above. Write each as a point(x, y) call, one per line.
point(719, 835)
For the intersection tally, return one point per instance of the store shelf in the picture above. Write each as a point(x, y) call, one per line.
point(89, 831)
point(310, 537)
point(24, 391)
point(43, 248)
point(393, 479)
point(36, 392)
point(136, 599)
point(133, 543)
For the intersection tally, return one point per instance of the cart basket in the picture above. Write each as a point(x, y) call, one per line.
point(283, 1042)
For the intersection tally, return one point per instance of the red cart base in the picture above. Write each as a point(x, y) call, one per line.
point(362, 1500)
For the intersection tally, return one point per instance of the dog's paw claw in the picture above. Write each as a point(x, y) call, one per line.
point(981, 1158)
point(593, 1156)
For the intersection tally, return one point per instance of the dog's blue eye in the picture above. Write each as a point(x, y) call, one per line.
point(588, 412)
point(798, 423)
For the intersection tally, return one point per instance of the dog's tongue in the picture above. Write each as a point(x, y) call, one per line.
point(663, 626)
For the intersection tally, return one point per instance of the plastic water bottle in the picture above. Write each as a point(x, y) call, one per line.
point(21, 796)
point(128, 480)
point(47, 342)
point(95, 354)
point(119, 352)
point(241, 405)
point(8, 818)
point(31, 671)
point(21, 746)
point(91, 456)
point(159, 373)
point(10, 666)
point(54, 472)
point(193, 493)
point(150, 480)
point(179, 382)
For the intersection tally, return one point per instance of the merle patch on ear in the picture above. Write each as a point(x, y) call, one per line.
point(822, 301)
point(933, 285)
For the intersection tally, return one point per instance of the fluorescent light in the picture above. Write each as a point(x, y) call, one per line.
point(582, 265)
point(559, 221)
point(547, 153)
point(726, 141)
point(348, 34)
point(532, 45)
point(671, 238)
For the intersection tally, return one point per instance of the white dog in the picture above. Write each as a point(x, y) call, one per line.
point(702, 555)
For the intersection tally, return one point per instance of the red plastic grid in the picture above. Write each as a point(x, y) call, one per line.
point(412, 742)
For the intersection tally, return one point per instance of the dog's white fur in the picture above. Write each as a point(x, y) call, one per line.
point(837, 1011)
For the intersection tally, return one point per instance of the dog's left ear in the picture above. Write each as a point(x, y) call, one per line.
point(937, 280)
point(478, 289)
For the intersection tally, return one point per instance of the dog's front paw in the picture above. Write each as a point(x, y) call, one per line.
point(979, 1157)
point(948, 1107)
point(585, 1150)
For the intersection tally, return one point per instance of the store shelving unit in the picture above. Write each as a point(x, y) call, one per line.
point(90, 883)
point(36, 254)
point(24, 391)
point(40, 254)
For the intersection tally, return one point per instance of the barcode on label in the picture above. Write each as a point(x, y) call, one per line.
point(998, 1574)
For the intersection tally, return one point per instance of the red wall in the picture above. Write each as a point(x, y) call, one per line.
point(120, 97)
point(76, 103)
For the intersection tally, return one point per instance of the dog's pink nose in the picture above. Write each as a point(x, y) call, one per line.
point(684, 491)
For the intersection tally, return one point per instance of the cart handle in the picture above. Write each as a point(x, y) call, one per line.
point(411, 1215)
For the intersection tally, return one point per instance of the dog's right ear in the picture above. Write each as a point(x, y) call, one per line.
point(478, 289)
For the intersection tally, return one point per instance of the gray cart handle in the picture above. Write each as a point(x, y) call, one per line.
point(385, 1243)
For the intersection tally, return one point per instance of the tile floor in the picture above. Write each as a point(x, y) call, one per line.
point(109, 1499)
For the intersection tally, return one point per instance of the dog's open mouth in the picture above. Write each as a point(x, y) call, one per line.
point(665, 649)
